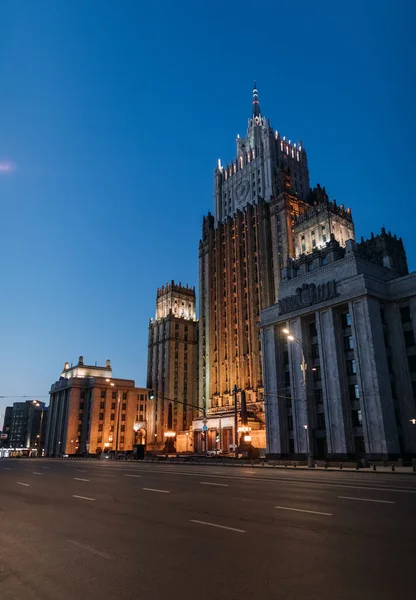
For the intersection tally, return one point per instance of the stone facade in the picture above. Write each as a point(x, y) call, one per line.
point(314, 228)
point(358, 343)
point(91, 412)
point(172, 368)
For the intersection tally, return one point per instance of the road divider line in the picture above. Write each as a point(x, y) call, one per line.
point(312, 512)
point(90, 549)
point(83, 497)
point(367, 500)
point(218, 526)
point(154, 490)
point(80, 479)
point(37, 473)
point(80, 471)
point(213, 483)
point(126, 475)
point(7, 468)
point(21, 483)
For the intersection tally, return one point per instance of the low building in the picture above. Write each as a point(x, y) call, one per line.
point(349, 316)
point(26, 423)
point(6, 425)
point(91, 412)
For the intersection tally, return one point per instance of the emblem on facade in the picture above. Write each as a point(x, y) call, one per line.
point(307, 295)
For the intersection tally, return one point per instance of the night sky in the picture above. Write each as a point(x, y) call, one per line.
point(113, 116)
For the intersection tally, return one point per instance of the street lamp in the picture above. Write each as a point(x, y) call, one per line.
point(40, 439)
point(292, 338)
point(235, 392)
point(413, 421)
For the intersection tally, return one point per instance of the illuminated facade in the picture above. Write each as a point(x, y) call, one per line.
point(172, 368)
point(352, 312)
point(91, 412)
point(261, 200)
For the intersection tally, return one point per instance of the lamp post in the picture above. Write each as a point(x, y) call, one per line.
point(39, 437)
point(304, 366)
point(235, 392)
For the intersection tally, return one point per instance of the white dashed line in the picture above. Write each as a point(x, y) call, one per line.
point(218, 526)
point(21, 483)
point(90, 549)
point(36, 473)
point(80, 479)
point(45, 467)
point(312, 512)
point(80, 470)
point(125, 475)
point(212, 483)
point(367, 500)
point(83, 497)
point(7, 468)
point(154, 490)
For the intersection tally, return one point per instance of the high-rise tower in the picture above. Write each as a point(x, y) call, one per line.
point(261, 199)
point(171, 368)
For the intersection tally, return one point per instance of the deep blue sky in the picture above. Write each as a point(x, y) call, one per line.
point(114, 115)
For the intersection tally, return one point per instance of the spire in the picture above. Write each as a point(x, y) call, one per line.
point(256, 105)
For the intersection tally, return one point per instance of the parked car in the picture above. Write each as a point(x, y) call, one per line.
point(214, 452)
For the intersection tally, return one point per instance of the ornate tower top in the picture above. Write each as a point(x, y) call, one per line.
point(176, 300)
point(256, 104)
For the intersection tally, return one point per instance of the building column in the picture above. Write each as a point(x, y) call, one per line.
point(404, 392)
point(336, 439)
point(297, 389)
point(272, 408)
point(379, 423)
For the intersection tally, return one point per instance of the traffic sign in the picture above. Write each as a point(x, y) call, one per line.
point(204, 428)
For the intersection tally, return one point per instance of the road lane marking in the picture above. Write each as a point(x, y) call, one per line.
point(315, 482)
point(7, 468)
point(126, 475)
point(80, 470)
point(83, 497)
point(154, 490)
point(45, 467)
point(219, 526)
point(80, 479)
point(213, 483)
point(312, 512)
point(90, 549)
point(367, 500)
point(21, 483)
point(37, 473)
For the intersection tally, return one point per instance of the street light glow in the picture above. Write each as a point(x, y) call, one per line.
point(290, 338)
point(286, 331)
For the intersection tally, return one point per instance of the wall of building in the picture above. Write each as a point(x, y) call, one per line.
point(360, 368)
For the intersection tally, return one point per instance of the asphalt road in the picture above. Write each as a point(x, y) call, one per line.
point(120, 531)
